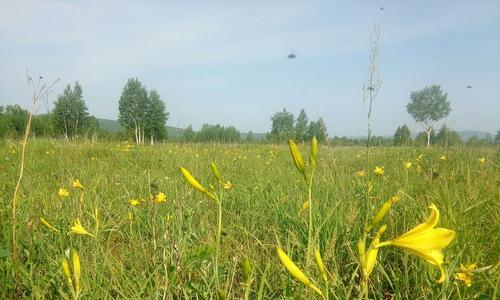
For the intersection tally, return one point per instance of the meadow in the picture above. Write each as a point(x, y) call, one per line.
point(141, 245)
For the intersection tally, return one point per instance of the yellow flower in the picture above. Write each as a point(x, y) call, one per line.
point(134, 202)
point(407, 165)
point(426, 241)
point(63, 193)
point(482, 160)
point(161, 197)
point(466, 274)
point(77, 184)
point(379, 170)
point(320, 265)
point(228, 185)
point(77, 228)
point(297, 158)
point(44, 222)
point(443, 157)
point(194, 183)
point(295, 271)
point(361, 173)
point(305, 206)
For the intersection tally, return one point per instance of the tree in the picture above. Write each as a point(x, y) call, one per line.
point(283, 126)
point(42, 126)
point(301, 125)
point(249, 138)
point(447, 137)
point(70, 113)
point(428, 106)
point(497, 138)
point(421, 138)
point(402, 136)
point(13, 120)
point(155, 118)
point(317, 129)
point(188, 135)
point(132, 108)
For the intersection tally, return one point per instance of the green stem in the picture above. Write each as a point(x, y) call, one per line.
point(217, 241)
point(310, 229)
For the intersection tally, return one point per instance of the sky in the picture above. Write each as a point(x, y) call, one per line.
point(226, 61)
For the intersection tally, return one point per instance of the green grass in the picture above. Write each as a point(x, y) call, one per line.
point(168, 248)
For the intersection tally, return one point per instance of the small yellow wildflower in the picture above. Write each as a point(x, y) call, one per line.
point(161, 197)
point(305, 206)
point(443, 157)
point(466, 274)
point(77, 184)
point(482, 160)
point(361, 173)
point(77, 228)
point(134, 202)
point(407, 165)
point(379, 170)
point(228, 185)
point(63, 193)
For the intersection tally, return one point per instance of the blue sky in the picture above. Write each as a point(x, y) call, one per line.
point(226, 62)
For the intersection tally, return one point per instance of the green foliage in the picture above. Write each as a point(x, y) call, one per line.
point(134, 257)
point(249, 138)
point(402, 136)
point(218, 133)
point(42, 126)
point(13, 121)
point(156, 117)
point(282, 128)
point(301, 127)
point(447, 137)
point(421, 138)
point(317, 129)
point(497, 138)
point(188, 135)
point(132, 108)
point(428, 106)
point(70, 113)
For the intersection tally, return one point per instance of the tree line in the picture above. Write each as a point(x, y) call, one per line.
point(143, 116)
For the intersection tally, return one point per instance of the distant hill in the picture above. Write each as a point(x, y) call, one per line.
point(114, 126)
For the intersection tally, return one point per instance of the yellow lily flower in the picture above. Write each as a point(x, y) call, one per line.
point(228, 185)
point(295, 271)
point(407, 165)
point(77, 184)
point(379, 170)
point(77, 228)
point(425, 241)
point(361, 173)
point(216, 173)
point(320, 264)
point(161, 197)
point(63, 193)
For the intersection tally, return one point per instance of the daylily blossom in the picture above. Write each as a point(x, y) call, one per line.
point(77, 184)
point(77, 228)
point(466, 273)
point(361, 173)
point(161, 197)
point(134, 202)
point(63, 193)
point(228, 185)
point(379, 170)
point(426, 241)
point(407, 165)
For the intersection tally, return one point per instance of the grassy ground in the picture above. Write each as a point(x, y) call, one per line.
point(167, 249)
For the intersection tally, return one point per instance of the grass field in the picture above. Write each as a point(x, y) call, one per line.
point(167, 249)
